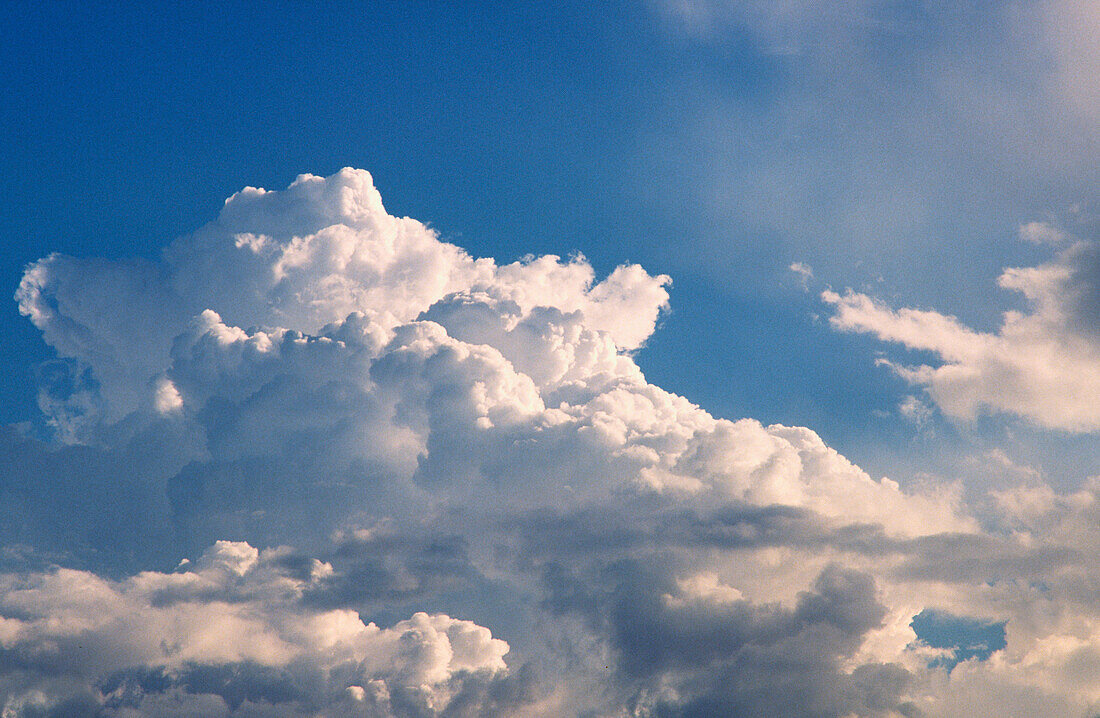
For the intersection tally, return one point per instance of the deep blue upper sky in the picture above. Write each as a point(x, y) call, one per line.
point(898, 150)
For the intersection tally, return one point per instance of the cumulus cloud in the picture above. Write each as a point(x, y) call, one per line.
point(1042, 364)
point(491, 511)
point(228, 632)
point(299, 260)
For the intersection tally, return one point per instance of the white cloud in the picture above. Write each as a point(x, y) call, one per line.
point(1042, 233)
point(237, 607)
point(1070, 27)
point(1043, 364)
point(301, 259)
point(783, 27)
point(804, 272)
point(915, 410)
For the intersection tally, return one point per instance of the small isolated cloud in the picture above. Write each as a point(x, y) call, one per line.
point(1042, 233)
point(412, 482)
point(804, 273)
point(1042, 364)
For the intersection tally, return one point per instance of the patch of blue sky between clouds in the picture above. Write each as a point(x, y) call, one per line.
point(961, 637)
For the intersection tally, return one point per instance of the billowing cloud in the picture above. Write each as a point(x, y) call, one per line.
point(1042, 364)
point(229, 632)
point(299, 260)
point(412, 482)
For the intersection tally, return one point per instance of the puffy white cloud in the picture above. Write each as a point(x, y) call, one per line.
point(238, 611)
point(1042, 364)
point(453, 437)
point(300, 259)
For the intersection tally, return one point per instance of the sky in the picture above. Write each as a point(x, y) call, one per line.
point(651, 358)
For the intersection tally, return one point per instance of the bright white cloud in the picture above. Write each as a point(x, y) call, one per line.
point(300, 259)
point(1043, 364)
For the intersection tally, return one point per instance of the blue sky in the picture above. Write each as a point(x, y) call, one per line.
point(903, 154)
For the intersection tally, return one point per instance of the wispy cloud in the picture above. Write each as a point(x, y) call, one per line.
point(1042, 364)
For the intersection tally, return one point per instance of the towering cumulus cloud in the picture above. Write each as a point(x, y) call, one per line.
point(316, 461)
